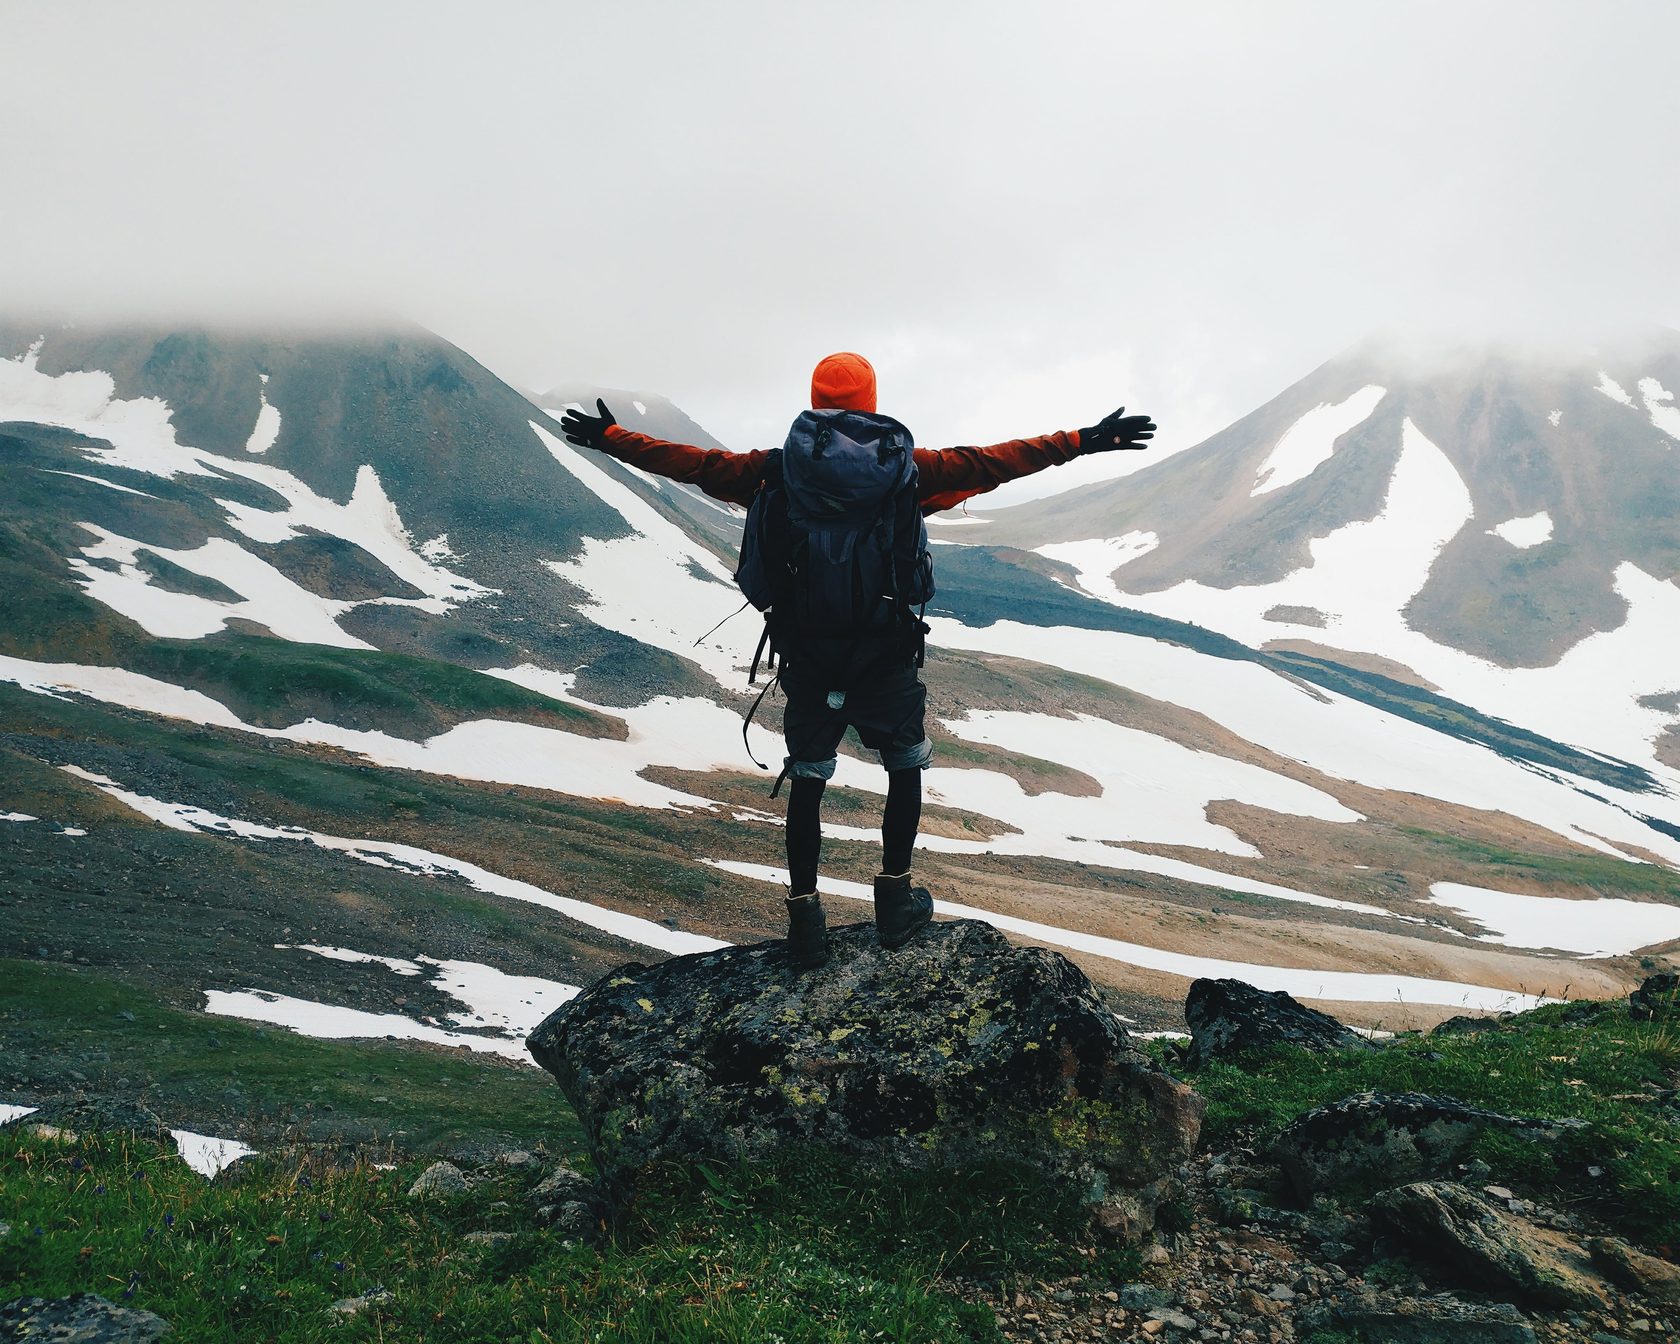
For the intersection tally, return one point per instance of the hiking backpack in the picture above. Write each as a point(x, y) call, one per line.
point(835, 549)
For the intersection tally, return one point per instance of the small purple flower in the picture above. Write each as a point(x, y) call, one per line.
point(169, 1220)
point(99, 1189)
point(325, 1216)
point(338, 1265)
point(149, 1233)
point(76, 1164)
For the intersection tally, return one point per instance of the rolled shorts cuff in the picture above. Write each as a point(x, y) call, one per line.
point(810, 769)
point(917, 757)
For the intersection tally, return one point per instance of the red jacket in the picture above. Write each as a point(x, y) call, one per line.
point(947, 476)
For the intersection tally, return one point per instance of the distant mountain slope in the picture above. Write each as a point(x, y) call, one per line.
point(335, 449)
point(1544, 475)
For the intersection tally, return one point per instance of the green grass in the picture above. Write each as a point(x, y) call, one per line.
point(274, 682)
point(198, 1068)
point(806, 1251)
point(1597, 873)
point(1588, 1061)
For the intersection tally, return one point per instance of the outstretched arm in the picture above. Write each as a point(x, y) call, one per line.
point(731, 477)
point(950, 475)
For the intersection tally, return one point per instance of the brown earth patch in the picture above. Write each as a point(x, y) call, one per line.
point(1360, 662)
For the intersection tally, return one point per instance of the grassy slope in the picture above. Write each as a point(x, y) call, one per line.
point(1590, 1061)
point(804, 1250)
point(419, 1098)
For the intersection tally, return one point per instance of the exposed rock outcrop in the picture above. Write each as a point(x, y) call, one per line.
point(956, 1049)
point(1658, 997)
point(85, 1318)
point(1477, 1242)
point(1377, 1139)
point(1635, 1271)
point(1232, 1019)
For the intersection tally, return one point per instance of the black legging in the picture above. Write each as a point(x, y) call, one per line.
point(899, 820)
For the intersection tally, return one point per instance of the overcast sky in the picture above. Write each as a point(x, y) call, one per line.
point(1024, 214)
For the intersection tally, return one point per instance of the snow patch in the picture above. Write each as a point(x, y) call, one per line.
point(97, 480)
point(267, 429)
point(1302, 982)
point(1555, 418)
point(206, 1155)
point(512, 1005)
point(1523, 533)
point(1605, 927)
point(1311, 440)
point(17, 816)
point(1612, 389)
point(1097, 560)
point(71, 831)
point(9, 1113)
point(641, 409)
point(1659, 402)
point(644, 585)
point(326, 1021)
point(438, 548)
point(267, 596)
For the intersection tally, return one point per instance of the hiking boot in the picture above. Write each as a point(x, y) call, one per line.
point(901, 910)
point(807, 932)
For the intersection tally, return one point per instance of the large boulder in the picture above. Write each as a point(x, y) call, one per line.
point(956, 1049)
point(1231, 1019)
point(1376, 1139)
point(1476, 1242)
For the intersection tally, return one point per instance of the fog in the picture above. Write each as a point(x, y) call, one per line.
point(1024, 215)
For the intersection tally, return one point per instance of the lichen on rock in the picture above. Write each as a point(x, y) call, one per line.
point(958, 1049)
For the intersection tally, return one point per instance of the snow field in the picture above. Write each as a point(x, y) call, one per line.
point(1153, 789)
point(1363, 575)
point(644, 585)
point(687, 734)
point(1303, 983)
point(1344, 738)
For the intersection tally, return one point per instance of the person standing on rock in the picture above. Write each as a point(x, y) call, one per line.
point(835, 553)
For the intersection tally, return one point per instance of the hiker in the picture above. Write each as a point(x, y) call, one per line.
point(835, 553)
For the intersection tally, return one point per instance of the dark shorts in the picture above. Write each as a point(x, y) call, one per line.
point(888, 713)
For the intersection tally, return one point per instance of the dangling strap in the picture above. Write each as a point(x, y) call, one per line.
point(732, 615)
point(747, 723)
point(758, 656)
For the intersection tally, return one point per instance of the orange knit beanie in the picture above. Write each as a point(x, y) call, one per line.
point(844, 382)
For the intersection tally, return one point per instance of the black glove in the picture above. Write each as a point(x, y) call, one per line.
point(590, 431)
point(1117, 431)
